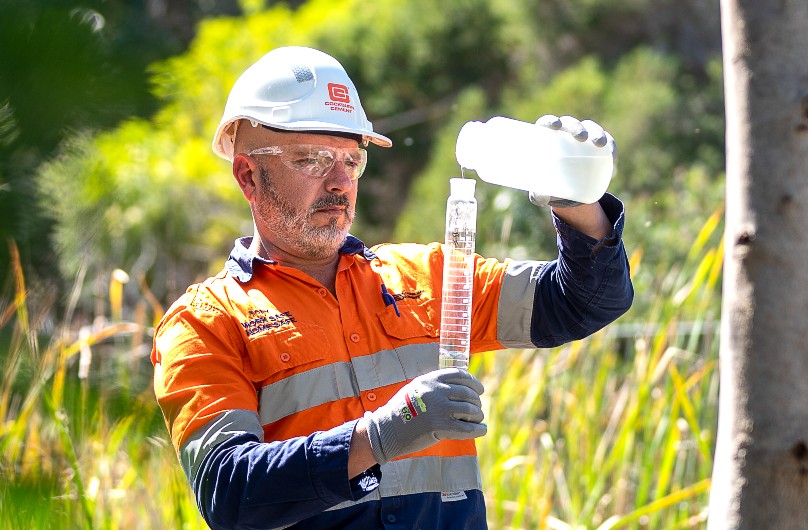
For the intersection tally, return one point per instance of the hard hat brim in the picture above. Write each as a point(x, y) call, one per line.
point(318, 126)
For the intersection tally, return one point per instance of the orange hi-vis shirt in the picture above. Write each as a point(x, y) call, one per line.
point(282, 346)
point(262, 357)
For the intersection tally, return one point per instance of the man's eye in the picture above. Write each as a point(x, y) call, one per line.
point(303, 162)
point(325, 158)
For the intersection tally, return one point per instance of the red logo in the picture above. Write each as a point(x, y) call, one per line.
point(339, 93)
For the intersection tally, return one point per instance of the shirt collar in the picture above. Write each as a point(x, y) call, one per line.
point(241, 260)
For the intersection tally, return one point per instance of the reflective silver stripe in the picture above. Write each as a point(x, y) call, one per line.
point(305, 390)
point(419, 359)
point(430, 473)
point(372, 496)
point(326, 384)
point(424, 475)
point(394, 366)
point(516, 303)
point(216, 431)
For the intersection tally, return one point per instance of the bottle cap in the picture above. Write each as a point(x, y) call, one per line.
point(462, 188)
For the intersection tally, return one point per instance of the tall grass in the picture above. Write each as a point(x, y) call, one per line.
point(615, 431)
point(82, 444)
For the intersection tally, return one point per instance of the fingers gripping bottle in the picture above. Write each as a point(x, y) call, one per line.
point(530, 157)
point(458, 274)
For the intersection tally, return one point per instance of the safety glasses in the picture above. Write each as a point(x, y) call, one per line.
point(317, 160)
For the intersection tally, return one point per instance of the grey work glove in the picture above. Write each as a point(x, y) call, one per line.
point(581, 131)
point(441, 405)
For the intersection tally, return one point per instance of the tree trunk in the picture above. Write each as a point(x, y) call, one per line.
point(760, 477)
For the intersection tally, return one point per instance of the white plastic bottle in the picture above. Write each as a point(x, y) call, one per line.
point(458, 274)
point(531, 157)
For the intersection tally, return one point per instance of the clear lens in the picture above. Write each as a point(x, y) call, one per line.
point(317, 160)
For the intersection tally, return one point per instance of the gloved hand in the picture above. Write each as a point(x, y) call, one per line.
point(441, 405)
point(581, 131)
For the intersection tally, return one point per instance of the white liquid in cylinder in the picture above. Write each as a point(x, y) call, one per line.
point(458, 268)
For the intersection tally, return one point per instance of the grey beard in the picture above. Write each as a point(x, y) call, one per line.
point(294, 226)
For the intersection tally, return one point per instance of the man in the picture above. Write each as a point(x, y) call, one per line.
point(300, 385)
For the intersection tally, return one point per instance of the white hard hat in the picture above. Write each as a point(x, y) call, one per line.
point(295, 89)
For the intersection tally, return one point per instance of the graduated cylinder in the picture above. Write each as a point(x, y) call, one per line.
point(458, 274)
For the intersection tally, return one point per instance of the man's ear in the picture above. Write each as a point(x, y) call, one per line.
point(246, 174)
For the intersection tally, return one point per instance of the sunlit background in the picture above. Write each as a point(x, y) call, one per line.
point(111, 203)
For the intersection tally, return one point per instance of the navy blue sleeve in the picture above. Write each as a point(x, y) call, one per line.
point(587, 287)
point(244, 483)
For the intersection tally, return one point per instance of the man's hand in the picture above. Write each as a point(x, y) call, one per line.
point(441, 405)
point(582, 131)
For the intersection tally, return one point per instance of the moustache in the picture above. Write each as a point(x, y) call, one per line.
point(331, 200)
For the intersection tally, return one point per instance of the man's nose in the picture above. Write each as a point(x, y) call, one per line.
point(338, 177)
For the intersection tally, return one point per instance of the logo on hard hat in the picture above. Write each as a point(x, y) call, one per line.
point(339, 93)
point(340, 98)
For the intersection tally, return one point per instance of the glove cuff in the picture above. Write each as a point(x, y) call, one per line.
point(546, 200)
point(374, 436)
point(538, 200)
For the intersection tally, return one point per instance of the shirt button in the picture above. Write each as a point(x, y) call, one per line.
point(354, 337)
point(285, 357)
point(391, 518)
point(371, 396)
point(322, 291)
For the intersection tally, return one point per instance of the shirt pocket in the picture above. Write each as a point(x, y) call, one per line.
point(414, 335)
point(416, 320)
point(284, 352)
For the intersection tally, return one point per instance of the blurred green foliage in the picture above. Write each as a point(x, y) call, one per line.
point(68, 66)
point(148, 196)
